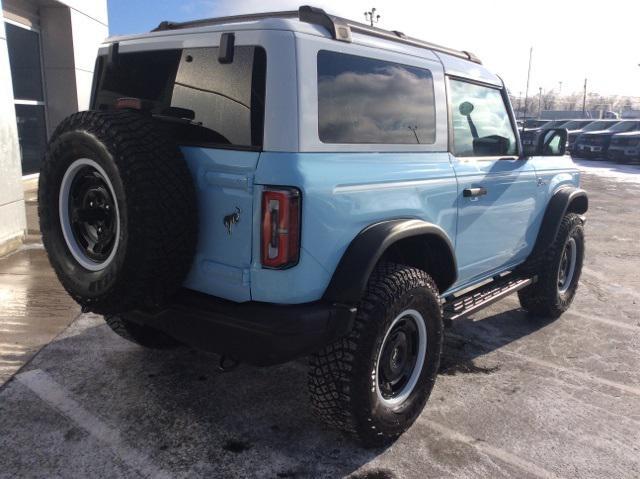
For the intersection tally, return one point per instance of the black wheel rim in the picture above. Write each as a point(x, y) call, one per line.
point(398, 358)
point(92, 214)
point(566, 270)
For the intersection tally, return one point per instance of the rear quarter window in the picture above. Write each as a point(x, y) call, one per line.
point(365, 100)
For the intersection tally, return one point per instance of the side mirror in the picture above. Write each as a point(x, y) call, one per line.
point(466, 108)
point(551, 142)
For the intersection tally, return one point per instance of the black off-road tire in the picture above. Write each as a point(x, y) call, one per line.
point(156, 198)
point(139, 334)
point(343, 376)
point(544, 298)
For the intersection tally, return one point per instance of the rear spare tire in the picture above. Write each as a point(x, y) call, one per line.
point(117, 209)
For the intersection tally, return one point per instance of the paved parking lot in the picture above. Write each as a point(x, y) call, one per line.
point(517, 397)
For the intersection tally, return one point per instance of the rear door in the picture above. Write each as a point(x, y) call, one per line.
point(497, 189)
point(215, 110)
point(228, 102)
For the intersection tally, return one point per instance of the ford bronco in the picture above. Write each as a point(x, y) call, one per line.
point(290, 184)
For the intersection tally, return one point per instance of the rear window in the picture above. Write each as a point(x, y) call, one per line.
point(207, 102)
point(363, 100)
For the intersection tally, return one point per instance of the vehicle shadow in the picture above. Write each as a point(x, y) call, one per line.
point(191, 420)
point(468, 339)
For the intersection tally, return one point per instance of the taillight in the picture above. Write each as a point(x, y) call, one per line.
point(280, 243)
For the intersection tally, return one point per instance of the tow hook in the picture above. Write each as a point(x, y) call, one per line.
point(227, 364)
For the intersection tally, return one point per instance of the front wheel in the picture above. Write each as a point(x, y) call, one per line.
point(558, 272)
point(375, 382)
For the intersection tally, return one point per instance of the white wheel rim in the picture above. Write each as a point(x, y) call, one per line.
point(567, 266)
point(410, 385)
point(76, 250)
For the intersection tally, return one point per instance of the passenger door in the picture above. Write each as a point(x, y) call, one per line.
point(497, 188)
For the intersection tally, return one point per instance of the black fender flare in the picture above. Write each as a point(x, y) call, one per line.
point(349, 281)
point(567, 199)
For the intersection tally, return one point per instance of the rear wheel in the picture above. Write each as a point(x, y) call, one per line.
point(558, 272)
point(374, 383)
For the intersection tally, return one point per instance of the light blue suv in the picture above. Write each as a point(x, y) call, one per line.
point(278, 185)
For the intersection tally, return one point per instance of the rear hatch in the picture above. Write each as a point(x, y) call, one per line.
point(215, 110)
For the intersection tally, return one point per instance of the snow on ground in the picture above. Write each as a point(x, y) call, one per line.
point(608, 169)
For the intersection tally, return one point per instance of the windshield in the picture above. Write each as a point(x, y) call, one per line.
point(598, 125)
point(575, 124)
point(624, 126)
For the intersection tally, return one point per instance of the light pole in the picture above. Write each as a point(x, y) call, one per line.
point(584, 99)
point(371, 16)
point(539, 102)
point(526, 92)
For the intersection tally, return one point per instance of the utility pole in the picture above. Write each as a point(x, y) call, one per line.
point(526, 93)
point(539, 102)
point(371, 16)
point(584, 99)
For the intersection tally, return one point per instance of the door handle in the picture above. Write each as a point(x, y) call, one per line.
point(469, 192)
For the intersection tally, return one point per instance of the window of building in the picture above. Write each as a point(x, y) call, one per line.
point(219, 104)
point(481, 124)
point(26, 74)
point(363, 100)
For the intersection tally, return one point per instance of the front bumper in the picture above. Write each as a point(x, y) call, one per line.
point(623, 154)
point(258, 333)
point(588, 151)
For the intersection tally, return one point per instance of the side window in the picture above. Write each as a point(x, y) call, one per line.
point(204, 101)
point(481, 124)
point(363, 100)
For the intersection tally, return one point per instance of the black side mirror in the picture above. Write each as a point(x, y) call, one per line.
point(552, 142)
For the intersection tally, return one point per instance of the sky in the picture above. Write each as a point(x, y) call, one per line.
point(571, 39)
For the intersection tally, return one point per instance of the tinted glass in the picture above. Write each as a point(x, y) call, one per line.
point(32, 136)
point(362, 100)
point(598, 125)
point(218, 104)
point(24, 59)
point(481, 124)
point(575, 124)
point(624, 126)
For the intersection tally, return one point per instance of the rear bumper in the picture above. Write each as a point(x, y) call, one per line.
point(258, 333)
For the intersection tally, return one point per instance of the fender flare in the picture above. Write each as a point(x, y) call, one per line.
point(349, 280)
point(567, 199)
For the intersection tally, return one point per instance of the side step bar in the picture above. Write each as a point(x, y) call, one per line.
point(475, 300)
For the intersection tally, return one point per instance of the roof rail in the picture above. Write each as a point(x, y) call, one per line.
point(340, 28)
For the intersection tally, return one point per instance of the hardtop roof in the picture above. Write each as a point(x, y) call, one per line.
point(314, 21)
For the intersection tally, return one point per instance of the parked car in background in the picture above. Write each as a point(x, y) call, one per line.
point(596, 143)
point(595, 125)
point(534, 123)
point(529, 136)
point(625, 147)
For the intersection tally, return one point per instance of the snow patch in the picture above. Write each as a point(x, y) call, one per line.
point(608, 169)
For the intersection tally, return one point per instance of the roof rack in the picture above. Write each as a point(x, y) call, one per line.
point(340, 28)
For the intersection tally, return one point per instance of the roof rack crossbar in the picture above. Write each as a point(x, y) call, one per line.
point(340, 28)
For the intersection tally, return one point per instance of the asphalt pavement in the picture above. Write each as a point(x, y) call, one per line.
point(517, 396)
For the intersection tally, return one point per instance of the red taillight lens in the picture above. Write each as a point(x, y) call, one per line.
point(280, 241)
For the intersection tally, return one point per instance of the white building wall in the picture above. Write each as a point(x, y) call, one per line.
point(12, 212)
point(71, 32)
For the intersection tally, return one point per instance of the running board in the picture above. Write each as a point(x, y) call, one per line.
point(475, 300)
